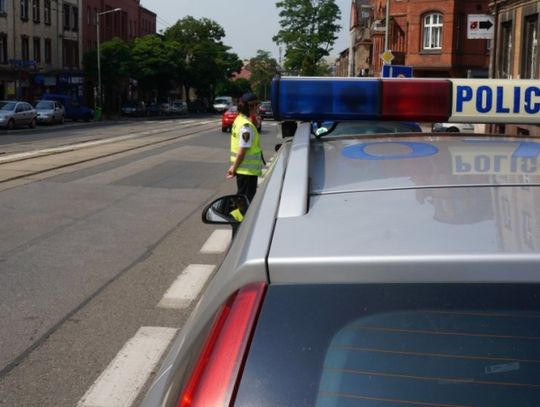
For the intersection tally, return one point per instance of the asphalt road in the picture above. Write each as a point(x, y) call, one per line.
point(98, 220)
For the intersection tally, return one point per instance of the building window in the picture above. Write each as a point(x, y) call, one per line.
point(505, 61)
point(47, 12)
point(66, 10)
point(2, 6)
point(529, 70)
point(75, 18)
point(25, 49)
point(71, 54)
point(48, 51)
point(35, 10)
point(3, 48)
point(37, 49)
point(432, 31)
point(24, 10)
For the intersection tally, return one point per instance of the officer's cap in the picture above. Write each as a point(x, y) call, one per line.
point(249, 98)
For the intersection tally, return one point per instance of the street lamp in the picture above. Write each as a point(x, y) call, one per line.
point(99, 94)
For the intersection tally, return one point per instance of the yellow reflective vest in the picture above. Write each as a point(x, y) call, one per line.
point(237, 215)
point(252, 163)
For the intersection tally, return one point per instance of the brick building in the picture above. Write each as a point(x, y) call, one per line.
point(131, 22)
point(431, 37)
point(516, 53)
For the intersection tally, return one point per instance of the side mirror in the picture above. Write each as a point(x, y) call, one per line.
point(228, 210)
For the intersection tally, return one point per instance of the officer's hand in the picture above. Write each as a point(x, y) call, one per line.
point(230, 172)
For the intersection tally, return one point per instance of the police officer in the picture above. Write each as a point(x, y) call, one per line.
point(246, 154)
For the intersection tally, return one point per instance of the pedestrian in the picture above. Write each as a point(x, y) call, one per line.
point(246, 154)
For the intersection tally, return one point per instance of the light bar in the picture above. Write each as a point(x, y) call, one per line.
point(407, 99)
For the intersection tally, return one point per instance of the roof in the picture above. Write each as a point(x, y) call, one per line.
point(462, 210)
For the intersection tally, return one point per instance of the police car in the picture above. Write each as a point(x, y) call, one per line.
point(377, 269)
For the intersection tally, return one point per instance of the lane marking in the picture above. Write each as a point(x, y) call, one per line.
point(87, 144)
point(218, 242)
point(187, 286)
point(121, 382)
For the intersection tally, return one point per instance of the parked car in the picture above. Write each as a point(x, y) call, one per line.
point(153, 109)
point(365, 127)
point(265, 110)
point(453, 127)
point(73, 109)
point(133, 109)
point(50, 112)
point(17, 113)
point(375, 270)
point(177, 107)
point(222, 103)
point(197, 106)
point(227, 119)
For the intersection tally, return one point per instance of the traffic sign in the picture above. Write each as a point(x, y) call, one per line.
point(397, 71)
point(387, 56)
point(480, 26)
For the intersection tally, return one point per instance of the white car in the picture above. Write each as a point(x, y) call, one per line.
point(222, 103)
point(454, 127)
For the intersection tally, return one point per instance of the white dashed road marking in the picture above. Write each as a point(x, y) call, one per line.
point(120, 384)
point(218, 242)
point(187, 286)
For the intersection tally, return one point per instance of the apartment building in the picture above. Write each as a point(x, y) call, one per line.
point(516, 53)
point(42, 42)
point(130, 22)
point(431, 37)
point(39, 47)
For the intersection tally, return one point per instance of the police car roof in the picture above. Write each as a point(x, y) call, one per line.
point(410, 208)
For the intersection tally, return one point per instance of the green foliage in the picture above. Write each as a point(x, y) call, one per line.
point(208, 60)
point(308, 31)
point(156, 62)
point(263, 69)
point(234, 88)
point(116, 65)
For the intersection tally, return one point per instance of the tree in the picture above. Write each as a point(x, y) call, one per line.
point(115, 59)
point(263, 69)
point(208, 60)
point(156, 62)
point(234, 88)
point(308, 31)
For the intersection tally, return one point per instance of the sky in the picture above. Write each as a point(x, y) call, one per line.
point(249, 24)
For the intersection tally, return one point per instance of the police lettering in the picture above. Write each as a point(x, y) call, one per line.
point(485, 99)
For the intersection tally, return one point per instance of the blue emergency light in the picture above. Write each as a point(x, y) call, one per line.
point(421, 100)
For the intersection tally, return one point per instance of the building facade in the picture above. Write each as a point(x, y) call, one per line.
point(516, 53)
point(39, 47)
point(130, 22)
point(42, 42)
point(432, 37)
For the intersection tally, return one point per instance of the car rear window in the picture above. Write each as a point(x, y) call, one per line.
point(395, 345)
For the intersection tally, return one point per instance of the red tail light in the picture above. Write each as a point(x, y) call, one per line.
point(214, 379)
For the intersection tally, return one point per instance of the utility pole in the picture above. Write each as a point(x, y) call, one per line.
point(99, 92)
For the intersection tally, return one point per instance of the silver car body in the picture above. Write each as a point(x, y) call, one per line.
point(50, 111)
point(361, 209)
point(16, 113)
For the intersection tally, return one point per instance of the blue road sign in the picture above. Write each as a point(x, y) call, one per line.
point(397, 71)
